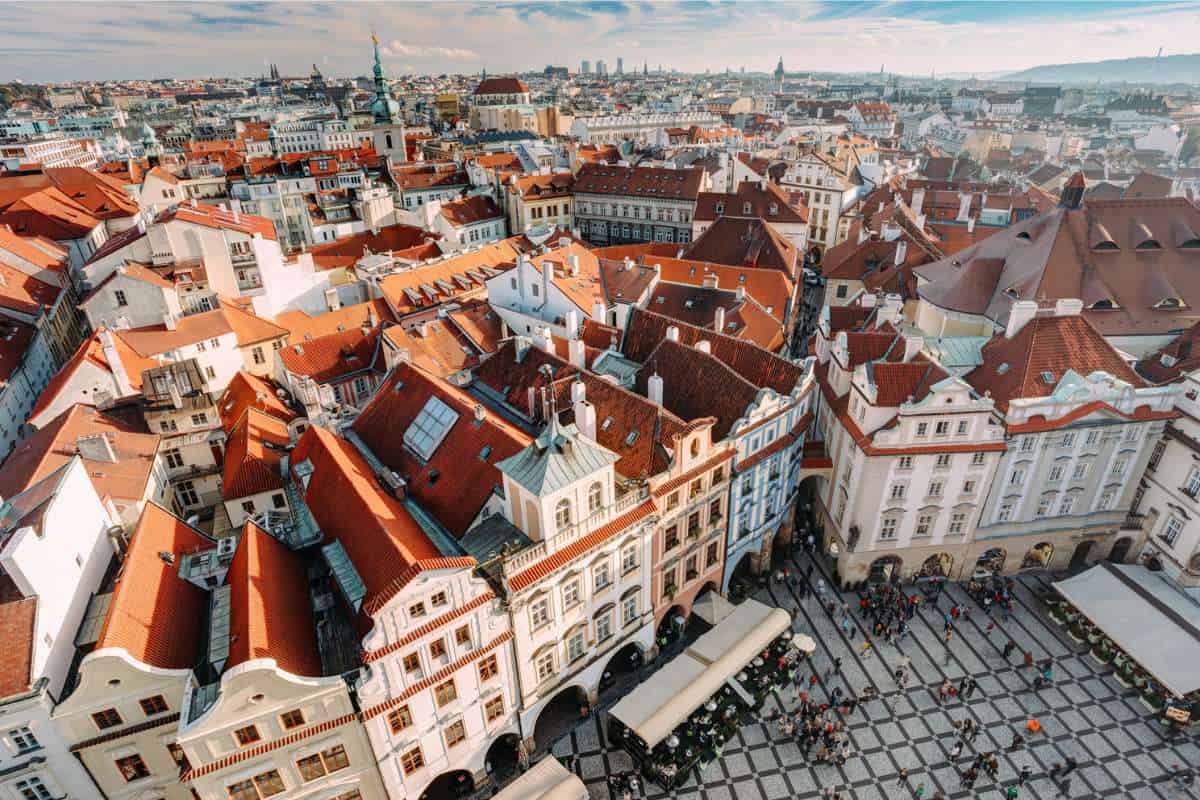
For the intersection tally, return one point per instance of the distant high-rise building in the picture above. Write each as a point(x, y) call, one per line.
point(620, 66)
point(601, 67)
point(585, 67)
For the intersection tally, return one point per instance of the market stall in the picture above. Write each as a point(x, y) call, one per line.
point(1141, 622)
point(682, 715)
point(546, 780)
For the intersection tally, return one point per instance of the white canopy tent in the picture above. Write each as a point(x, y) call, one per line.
point(656, 707)
point(546, 780)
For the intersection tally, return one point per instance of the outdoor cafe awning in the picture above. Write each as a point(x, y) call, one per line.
point(1146, 615)
point(657, 706)
point(546, 780)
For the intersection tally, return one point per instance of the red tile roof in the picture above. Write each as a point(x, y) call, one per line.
point(651, 182)
point(270, 612)
point(251, 464)
point(246, 391)
point(345, 251)
point(18, 616)
point(302, 326)
point(386, 545)
point(48, 448)
point(213, 217)
point(470, 210)
point(327, 358)
point(47, 212)
point(501, 85)
point(747, 243)
point(1045, 346)
point(156, 616)
point(457, 480)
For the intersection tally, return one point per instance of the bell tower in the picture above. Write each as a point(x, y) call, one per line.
point(387, 130)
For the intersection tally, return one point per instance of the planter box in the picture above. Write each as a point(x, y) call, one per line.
point(1121, 679)
point(1074, 638)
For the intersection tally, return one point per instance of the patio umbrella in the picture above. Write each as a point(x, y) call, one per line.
point(804, 643)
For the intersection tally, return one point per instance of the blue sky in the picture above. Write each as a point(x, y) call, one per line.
point(49, 42)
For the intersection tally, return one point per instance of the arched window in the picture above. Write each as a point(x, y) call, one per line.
point(562, 515)
point(595, 497)
point(389, 141)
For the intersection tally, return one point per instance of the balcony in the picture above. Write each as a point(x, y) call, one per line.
point(1133, 522)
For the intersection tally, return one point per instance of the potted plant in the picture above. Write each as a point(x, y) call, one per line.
point(1075, 631)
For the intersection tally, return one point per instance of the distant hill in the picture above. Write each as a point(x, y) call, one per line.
point(1168, 69)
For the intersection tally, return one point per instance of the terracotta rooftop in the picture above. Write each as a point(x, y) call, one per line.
point(156, 616)
point(246, 391)
point(332, 356)
point(252, 455)
point(650, 182)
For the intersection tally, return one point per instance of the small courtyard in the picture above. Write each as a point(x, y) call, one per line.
point(1121, 749)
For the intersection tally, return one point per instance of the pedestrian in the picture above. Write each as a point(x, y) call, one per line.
point(821, 588)
point(971, 686)
point(1024, 774)
point(1028, 658)
point(1008, 648)
point(865, 650)
point(919, 792)
point(991, 626)
point(1064, 788)
point(837, 665)
point(1055, 768)
point(1011, 793)
point(902, 778)
point(1071, 764)
point(956, 751)
point(1017, 741)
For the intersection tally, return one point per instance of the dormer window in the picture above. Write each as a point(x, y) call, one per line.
point(745, 208)
point(1149, 244)
point(720, 209)
point(1103, 305)
point(1170, 303)
point(773, 209)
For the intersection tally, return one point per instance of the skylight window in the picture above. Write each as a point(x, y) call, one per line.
point(485, 453)
point(607, 422)
point(1048, 377)
point(631, 438)
point(430, 427)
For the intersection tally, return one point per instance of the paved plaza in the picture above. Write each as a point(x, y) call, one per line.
point(1086, 714)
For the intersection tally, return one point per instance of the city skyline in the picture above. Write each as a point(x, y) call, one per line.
point(180, 40)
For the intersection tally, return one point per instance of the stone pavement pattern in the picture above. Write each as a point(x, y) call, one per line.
point(1087, 715)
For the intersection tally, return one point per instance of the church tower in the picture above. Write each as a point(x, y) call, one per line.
point(387, 129)
point(779, 73)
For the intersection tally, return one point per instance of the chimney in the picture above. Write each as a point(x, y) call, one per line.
point(704, 346)
point(546, 268)
point(918, 200)
point(169, 320)
point(672, 334)
point(627, 264)
point(572, 324)
point(598, 312)
point(964, 207)
point(578, 391)
point(544, 340)
point(573, 265)
point(1020, 313)
point(480, 412)
point(332, 301)
point(585, 418)
point(867, 300)
point(901, 251)
point(971, 225)
point(577, 353)
point(711, 280)
point(921, 222)
point(739, 293)
point(96, 447)
point(654, 389)
point(563, 241)
point(864, 232)
point(912, 345)
point(1068, 307)
point(115, 365)
point(719, 320)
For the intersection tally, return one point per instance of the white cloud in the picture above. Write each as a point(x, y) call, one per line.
point(399, 48)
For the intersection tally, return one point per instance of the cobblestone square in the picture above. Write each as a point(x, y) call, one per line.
point(1087, 714)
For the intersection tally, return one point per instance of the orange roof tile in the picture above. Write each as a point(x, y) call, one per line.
point(270, 612)
point(156, 616)
point(246, 391)
point(302, 326)
point(251, 464)
point(333, 355)
point(92, 352)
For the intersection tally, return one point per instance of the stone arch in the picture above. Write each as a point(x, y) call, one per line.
point(991, 560)
point(938, 565)
point(1038, 556)
point(502, 759)
point(449, 785)
point(1119, 553)
point(1079, 558)
point(559, 715)
point(885, 569)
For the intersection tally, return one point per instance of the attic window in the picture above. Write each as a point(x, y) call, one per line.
point(1024, 235)
point(720, 209)
point(433, 476)
point(485, 453)
point(430, 427)
point(1003, 368)
point(1103, 304)
point(1170, 303)
point(660, 300)
point(1048, 377)
point(631, 438)
point(1149, 244)
point(605, 425)
point(1190, 244)
point(773, 209)
point(1107, 244)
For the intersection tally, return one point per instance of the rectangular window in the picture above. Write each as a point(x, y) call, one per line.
point(488, 668)
point(411, 662)
point(1056, 473)
point(335, 758)
point(924, 525)
point(712, 554)
point(292, 719)
point(412, 761)
point(544, 667)
point(897, 491)
point(174, 458)
point(416, 610)
point(120, 297)
point(887, 528)
point(1156, 455)
point(1067, 504)
point(962, 427)
point(1192, 485)
point(1043, 506)
point(153, 705)
point(1171, 530)
point(33, 789)
point(494, 709)
point(1004, 513)
point(957, 520)
point(455, 733)
point(629, 560)
point(922, 429)
point(242, 790)
point(1017, 477)
point(941, 428)
point(445, 693)
point(906, 463)
point(200, 419)
point(462, 636)
point(1079, 472)
point(943, 460)
point(575, 647)
point(132, 768)
point(310, 768)
point(247, 735)
point(977, 459)
point(1028, 443)
point(539, 613)
point(399, 718)
point(1068, 440)
point(437, 648)
point(108, 718)
point(23, 739)
point(571, 594)
point(258, 356)
point(629, 610)
point(1119, 467)
point(935, 488)
point(603, 627)
point(671, 538)
point(438, 600)
point(601, 576)
point(1092, 438)
point(968, 487)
